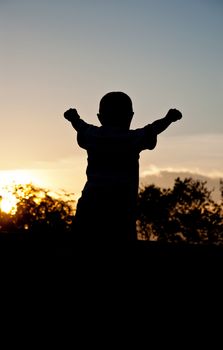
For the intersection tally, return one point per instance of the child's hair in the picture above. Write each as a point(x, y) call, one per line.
point(115, 109)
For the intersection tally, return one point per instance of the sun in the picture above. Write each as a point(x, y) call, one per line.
point(7, 202)
point(8, 179)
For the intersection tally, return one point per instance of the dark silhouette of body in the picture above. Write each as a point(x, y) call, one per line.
point(107, 207)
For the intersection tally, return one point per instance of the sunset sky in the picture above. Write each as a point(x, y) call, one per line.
point(60, 54)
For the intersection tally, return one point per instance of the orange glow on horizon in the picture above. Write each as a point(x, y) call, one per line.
point(8, 179)
point(8, 202)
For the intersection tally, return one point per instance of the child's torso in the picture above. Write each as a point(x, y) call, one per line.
point(113, 159)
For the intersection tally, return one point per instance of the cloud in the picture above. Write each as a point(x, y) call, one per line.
point(199, 154)
point(196, 156)
point(165, 178)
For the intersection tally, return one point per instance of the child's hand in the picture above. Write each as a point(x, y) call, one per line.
point(174, 115)
point(71, 115)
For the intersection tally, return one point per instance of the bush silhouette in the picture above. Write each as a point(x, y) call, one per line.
point(185, 213)
point(37, 211)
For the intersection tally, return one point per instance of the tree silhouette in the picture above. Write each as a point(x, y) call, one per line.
point(37, 211)
point(185, 213)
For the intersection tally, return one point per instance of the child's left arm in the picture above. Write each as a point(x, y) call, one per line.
point(160, 125)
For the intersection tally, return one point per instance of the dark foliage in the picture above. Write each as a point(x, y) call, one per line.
point(186, 213)
point(38, 211)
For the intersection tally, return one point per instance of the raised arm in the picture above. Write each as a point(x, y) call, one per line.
point(72, 116)
point(160, 125)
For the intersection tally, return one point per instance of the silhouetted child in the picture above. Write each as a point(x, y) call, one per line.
point(107, 207)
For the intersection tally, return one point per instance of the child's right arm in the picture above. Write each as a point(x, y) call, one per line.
point(72, 116)
point(160, 125)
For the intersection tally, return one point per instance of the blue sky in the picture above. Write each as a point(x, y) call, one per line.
point(58, 54)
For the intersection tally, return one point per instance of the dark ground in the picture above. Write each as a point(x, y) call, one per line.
point(117, 277)
point(45, 247)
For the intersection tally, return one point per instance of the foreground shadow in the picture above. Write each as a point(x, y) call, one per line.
point(54, 244)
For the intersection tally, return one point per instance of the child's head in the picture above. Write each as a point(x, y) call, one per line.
point(115, 109)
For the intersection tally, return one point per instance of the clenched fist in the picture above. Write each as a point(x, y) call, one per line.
point(71, 115)
point(174, 115)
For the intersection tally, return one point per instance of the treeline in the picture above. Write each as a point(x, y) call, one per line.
point(184, 213)
point(38, 212)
